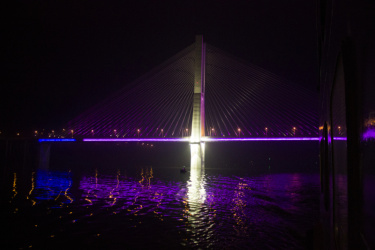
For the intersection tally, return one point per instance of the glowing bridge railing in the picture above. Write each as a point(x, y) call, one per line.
point(187, 139)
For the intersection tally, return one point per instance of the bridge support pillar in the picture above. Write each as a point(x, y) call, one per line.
point(44, 155)
point(198, 130)
point(197, 156)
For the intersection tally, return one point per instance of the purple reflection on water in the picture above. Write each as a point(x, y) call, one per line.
point(196, 209)
point(212, 208)
point(135, 196)
point(218, 189)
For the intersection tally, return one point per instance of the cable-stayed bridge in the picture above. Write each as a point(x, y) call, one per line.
point(202, 94)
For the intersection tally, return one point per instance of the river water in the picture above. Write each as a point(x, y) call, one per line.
point(260, 196)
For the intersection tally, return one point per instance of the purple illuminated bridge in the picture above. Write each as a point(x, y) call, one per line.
point(201, 94)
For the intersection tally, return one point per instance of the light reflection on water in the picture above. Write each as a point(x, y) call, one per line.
point(265, 211)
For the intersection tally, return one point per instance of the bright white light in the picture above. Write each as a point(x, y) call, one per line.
point(196, 191)
point(195, 159)
point(194, 139)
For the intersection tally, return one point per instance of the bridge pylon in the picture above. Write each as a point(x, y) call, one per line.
point(197, 130)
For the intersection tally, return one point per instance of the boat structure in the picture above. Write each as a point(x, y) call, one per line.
point(183, 170)
point(346, 61)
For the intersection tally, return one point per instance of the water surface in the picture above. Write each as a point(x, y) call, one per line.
point(137, 205)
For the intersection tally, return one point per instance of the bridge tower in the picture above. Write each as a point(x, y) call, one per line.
point(197, 126)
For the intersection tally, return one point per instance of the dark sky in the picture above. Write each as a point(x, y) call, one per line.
point(61, 57)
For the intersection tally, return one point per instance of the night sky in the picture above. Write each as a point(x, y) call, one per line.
point(62, 57)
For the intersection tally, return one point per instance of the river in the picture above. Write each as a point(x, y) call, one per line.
point(258, 195)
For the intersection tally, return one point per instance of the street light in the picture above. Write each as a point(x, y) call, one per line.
point(266, 130)
point(162, 132)
point(294, 130)
point(239, 132)
point(212, 131)
point(138, 132)
point(339, 130)
point(187, 130)
point(72, 132)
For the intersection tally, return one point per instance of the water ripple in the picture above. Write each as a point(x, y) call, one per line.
point(207, 211)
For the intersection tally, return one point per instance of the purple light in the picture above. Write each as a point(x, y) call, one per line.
point(263, 139)
point(138, 140)
point(55, 140)
point(204, 139)
point(339, 138)
point(369, 134)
